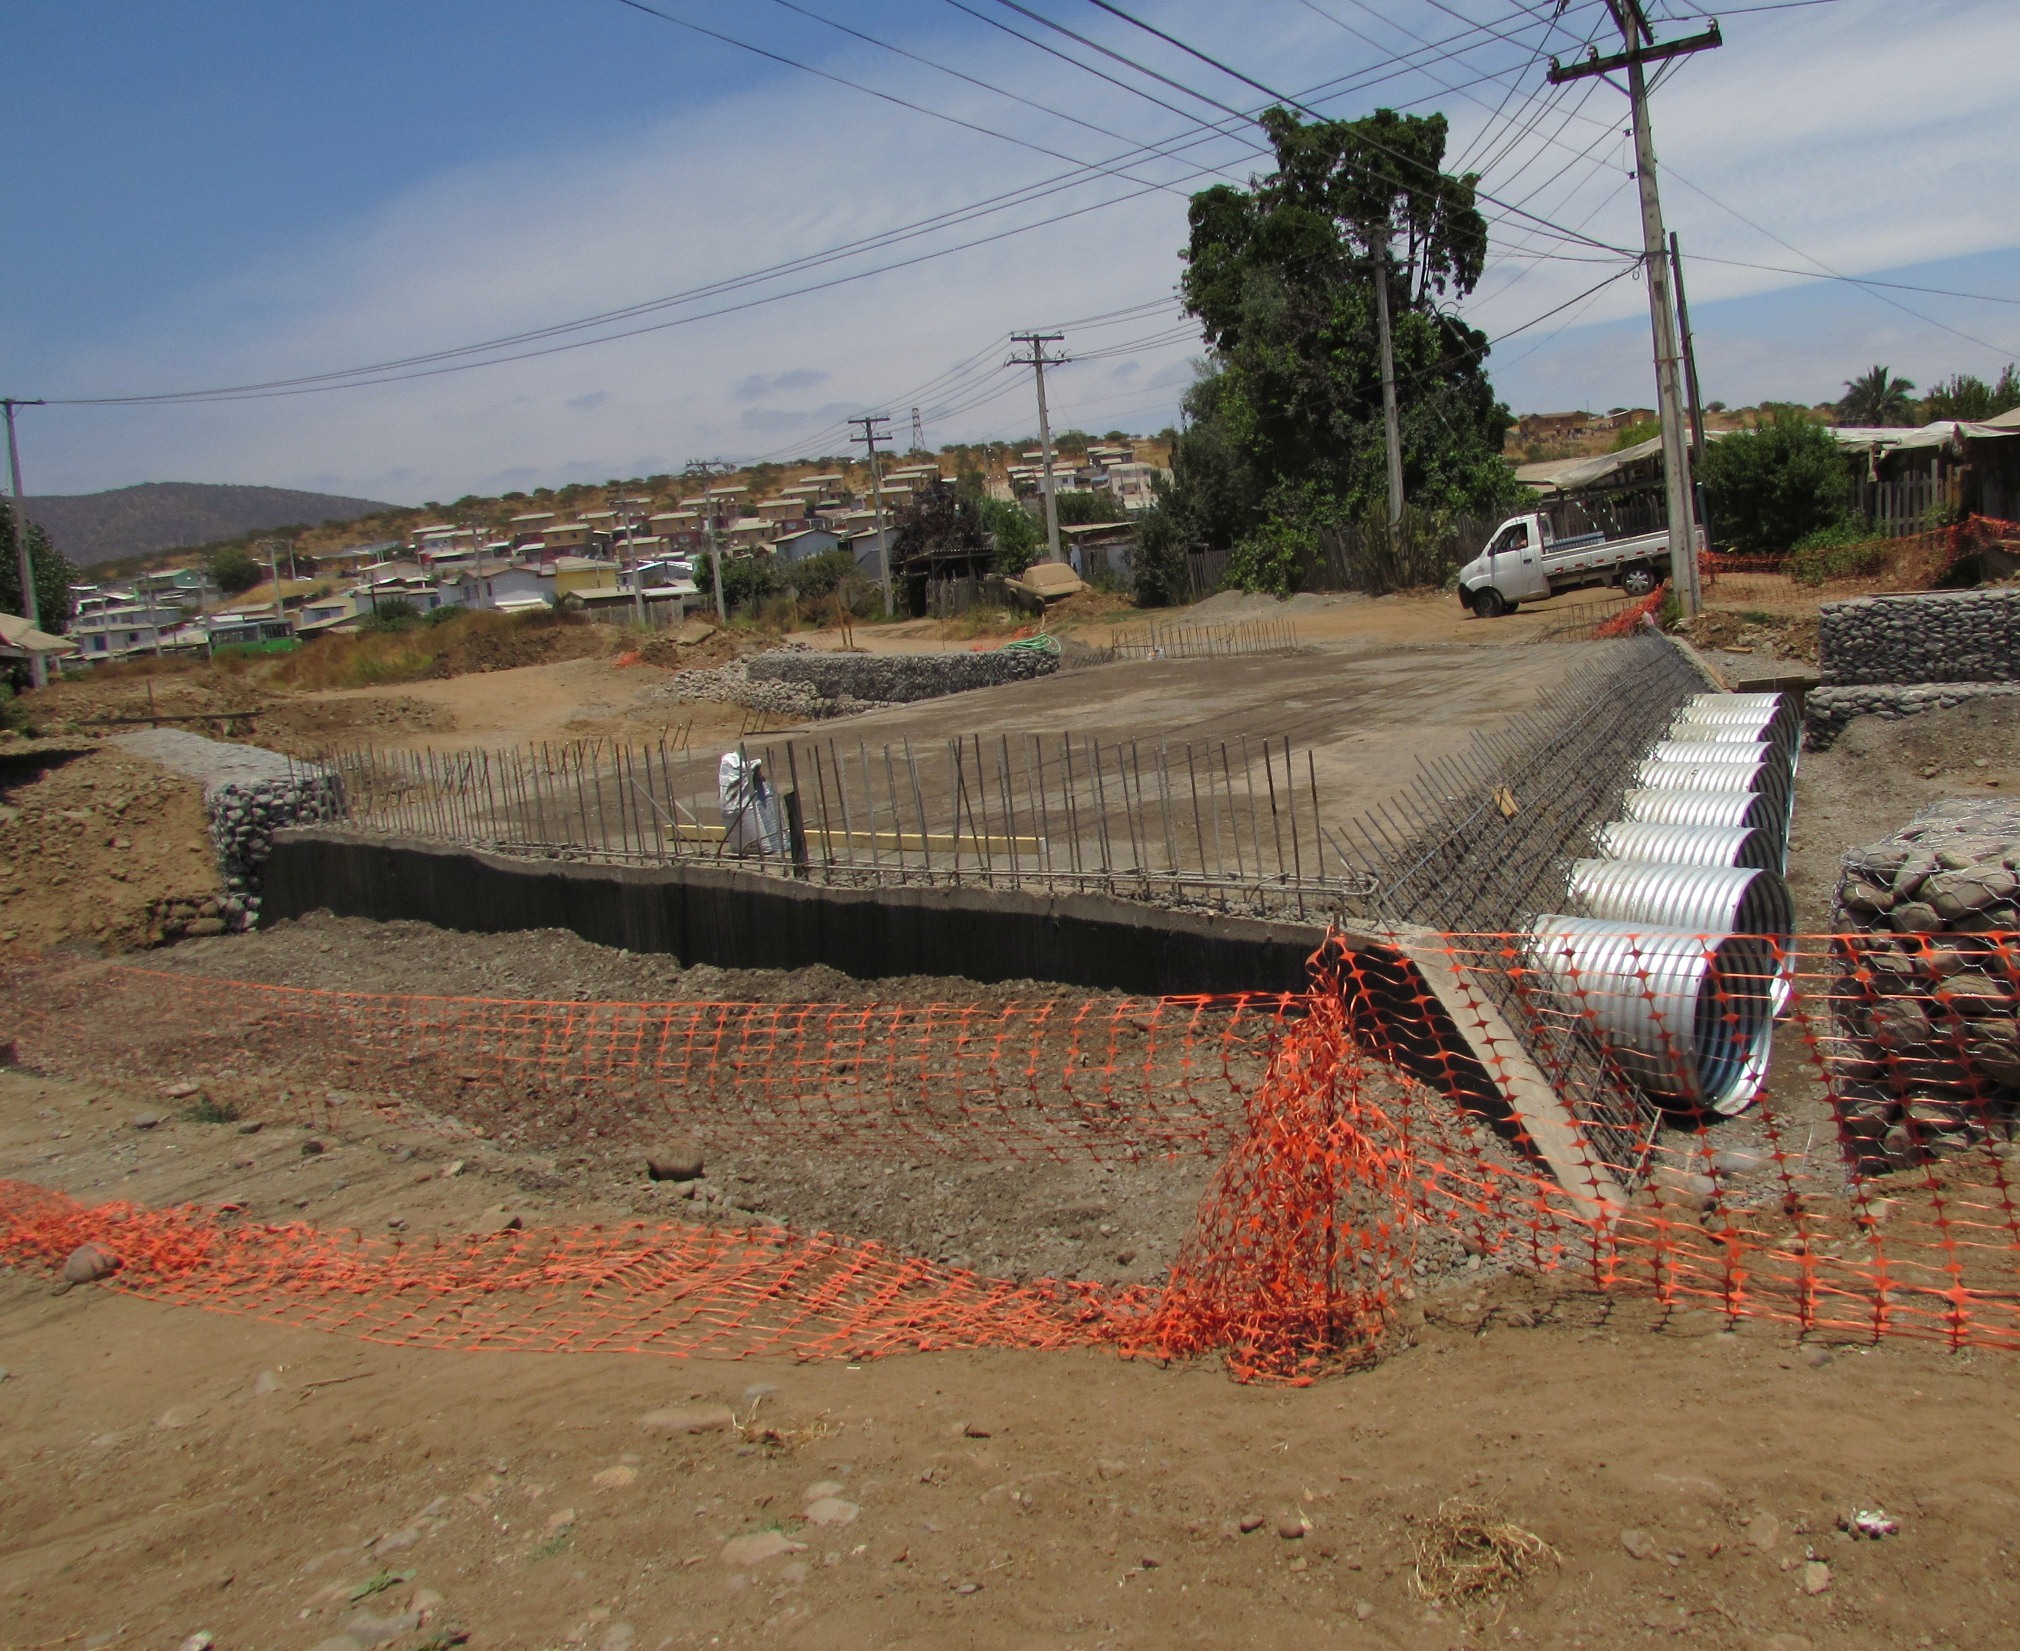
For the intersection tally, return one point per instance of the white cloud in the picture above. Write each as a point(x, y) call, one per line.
point(1870, 144)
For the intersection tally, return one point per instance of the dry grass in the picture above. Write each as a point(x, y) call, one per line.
point(469, 641)
point(780, 1437)
point(1469, 1556)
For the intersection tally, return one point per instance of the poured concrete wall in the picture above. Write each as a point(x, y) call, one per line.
point(739, 919)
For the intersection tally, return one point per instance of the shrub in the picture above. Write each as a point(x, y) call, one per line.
point(1773, 487)
point(1272, 556)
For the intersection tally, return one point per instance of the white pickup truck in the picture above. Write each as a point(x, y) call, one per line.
point(1525, 562)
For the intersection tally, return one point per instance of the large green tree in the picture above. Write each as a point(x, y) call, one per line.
point(51, 569)
point(1284, 433)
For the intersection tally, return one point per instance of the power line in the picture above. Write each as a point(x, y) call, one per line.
point(460, 357)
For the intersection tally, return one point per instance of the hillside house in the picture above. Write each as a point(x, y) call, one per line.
point(809, 541)
point(575, 574)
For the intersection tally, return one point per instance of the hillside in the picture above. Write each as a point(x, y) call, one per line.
point(91, 528)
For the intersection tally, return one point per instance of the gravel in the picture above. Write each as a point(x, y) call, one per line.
point(213, 762)
point(803, 683)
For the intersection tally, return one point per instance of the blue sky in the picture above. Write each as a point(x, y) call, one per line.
point(221, 193)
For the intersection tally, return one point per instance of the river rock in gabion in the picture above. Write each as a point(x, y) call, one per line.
point(1927, 990)
point(1827, 712)
point(1930, 636)
point(244, 815)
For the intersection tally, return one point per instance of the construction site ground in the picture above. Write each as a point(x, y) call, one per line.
point(169, 1471)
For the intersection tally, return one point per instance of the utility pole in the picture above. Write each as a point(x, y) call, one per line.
point(1038, 361)
point(1689, 354)
point(705, 468)
point(38, 672)
point(1641, 48)
point(1392, 426)
point(274, 573)
point(869, 438)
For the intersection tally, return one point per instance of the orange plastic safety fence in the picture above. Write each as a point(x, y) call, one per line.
point(689, 1290)
point(1100, 1078)
point(1821, 1136)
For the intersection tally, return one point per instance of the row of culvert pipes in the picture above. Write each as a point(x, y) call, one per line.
point(1676, 948)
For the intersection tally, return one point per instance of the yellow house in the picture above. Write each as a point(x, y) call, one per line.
point(576, 574)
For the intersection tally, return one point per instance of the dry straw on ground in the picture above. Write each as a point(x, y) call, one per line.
point(1469, 1556)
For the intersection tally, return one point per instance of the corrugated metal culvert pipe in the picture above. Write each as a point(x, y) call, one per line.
point(1706, 808)
point(1771, 779)
point(1781, 712)
point(1690, 845)
point(1706, 900)
point(1688, 1016)
point(1678, 957)
point(1700, 729)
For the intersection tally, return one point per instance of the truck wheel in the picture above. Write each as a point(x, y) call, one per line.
point(1489, 603)
point(1639, 580)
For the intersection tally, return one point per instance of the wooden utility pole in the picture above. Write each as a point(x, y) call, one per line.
point(1641, 49)
point(1038, 361)
point(869, 438)
point(1689, 354)
point(38, 671)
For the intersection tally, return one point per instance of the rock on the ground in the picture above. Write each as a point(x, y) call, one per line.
point(675, 1161)
point(88, 1263)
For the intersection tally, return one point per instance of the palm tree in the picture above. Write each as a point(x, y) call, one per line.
point(1878, 397)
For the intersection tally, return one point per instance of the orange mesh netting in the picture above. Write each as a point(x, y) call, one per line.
point(1864, 1191)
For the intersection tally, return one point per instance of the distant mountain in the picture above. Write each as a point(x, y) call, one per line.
point(135, 521)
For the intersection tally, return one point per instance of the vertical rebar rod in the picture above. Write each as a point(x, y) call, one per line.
point(957, 762)
point(1276, 823)
point(1318, 823)
point(897, 816)
point(1072, 811)
point(1198, 827)
point(827, 832)
point(1164, 806)
point(1101, 807)
point(1035, 790)
point(919, 802)
point(1009, 790)
point(1233, 819)
point(1291, 805)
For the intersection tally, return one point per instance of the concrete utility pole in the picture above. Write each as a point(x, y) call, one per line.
point(38, 671)
point(869, 438)
point(705, 468)
point(1642, 49)
point(1038, 361)
point(1392, 426)
point(274, 573)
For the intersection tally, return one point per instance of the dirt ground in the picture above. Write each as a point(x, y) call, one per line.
point(91, 840)
point(170, 1471)
point(167, 1471)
